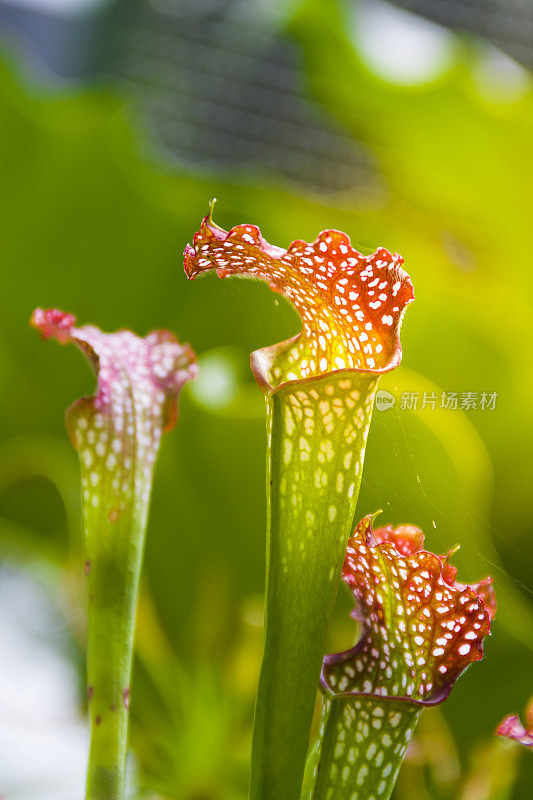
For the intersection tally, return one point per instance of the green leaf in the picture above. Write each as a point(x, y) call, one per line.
point(320, 388)
point(117, 433)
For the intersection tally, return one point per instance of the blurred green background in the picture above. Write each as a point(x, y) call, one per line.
point(94, 215)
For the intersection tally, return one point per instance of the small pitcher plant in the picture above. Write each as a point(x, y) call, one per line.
point(319, 388)
point(117, 434)
point(420, 630)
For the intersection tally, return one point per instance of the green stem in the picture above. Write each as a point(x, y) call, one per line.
point(317, 437)
point(114, 553)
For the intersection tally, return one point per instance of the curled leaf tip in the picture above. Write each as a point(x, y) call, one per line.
point(52, 323)
point(406, 538)
point(512, 728)
point(484, 589)
point(139, 379)
point(421, 628)
point(351, 305)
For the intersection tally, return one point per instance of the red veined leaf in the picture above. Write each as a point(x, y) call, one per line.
point(421, 629)
point(351, 305)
